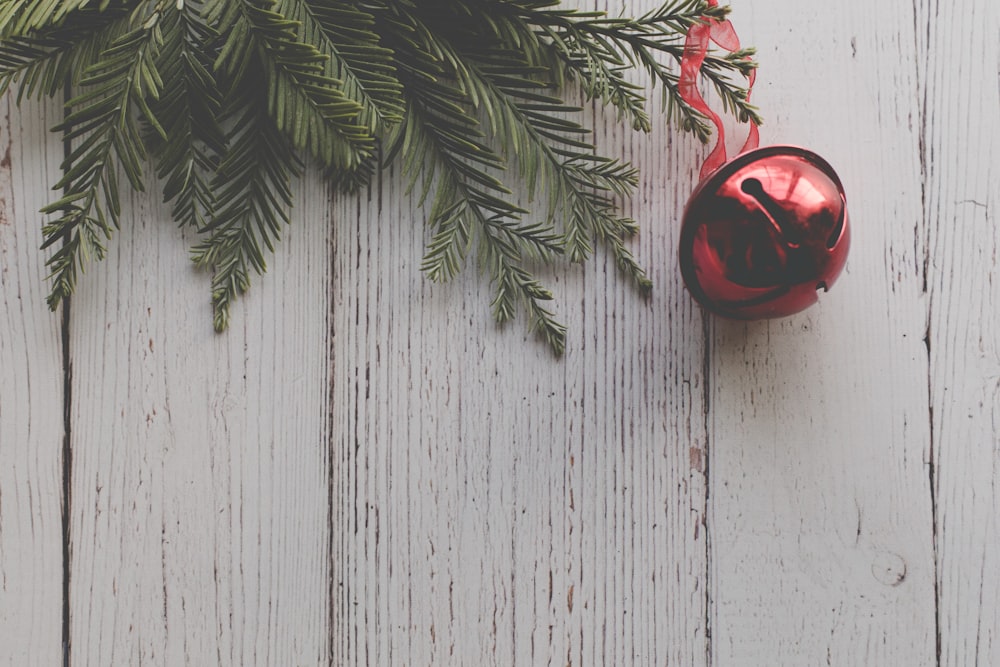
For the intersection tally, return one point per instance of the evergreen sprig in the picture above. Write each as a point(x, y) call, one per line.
point(228, 96)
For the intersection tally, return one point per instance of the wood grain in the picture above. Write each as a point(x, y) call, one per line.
point(31, 400)
point(497, 506)
point(962, 145)
point(199, 490)
point(820, 521)
point(365, 470)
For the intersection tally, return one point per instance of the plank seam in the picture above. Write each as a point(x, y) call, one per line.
point(67, 470)
point(706, 403)
point(331, 491)
point(923, 154)
point(67, 444)
point(932, 479)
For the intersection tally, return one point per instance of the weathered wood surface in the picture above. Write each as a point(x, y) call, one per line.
point(962, 144)
point(364, 470)
point(821, 513)
point(31, 401)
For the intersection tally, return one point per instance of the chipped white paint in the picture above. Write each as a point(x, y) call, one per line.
point(363, 470)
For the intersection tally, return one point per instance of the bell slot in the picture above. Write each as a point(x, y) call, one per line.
point(775, 213)
point(839, 227)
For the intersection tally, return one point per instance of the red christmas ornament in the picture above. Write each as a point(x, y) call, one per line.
point(766, 230)
point(763, 233)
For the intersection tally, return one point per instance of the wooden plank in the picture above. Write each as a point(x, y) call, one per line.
point(498, 506)
point(31, 405)
point(820, 504)
point(491, 504)
point(199, 491)
point(962, 145)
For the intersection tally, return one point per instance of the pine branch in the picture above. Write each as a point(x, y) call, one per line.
point(460, 90)
point(19, 17)
point(253, 196)
point(734, 98)
point(103, 119)
point(306, 104)
point(600, 72)
point(44, 60)
point(442, 139)
point(190, 106)
point(553, 156)
point(600, 50)
point(345, 35)
point(512, 281)
point(550, 148)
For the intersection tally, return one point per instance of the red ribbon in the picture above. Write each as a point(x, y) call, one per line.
point(696, 46)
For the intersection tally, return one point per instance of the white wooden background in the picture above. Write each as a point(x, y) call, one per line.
point(365, 471)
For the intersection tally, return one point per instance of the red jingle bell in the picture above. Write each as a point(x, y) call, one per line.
point(763, 233)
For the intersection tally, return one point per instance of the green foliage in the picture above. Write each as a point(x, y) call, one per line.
point(103, 120)
point(252, 198)
point(190, 108)
point(227, 96)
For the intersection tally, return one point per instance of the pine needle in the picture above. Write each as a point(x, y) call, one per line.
point(229, 96)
